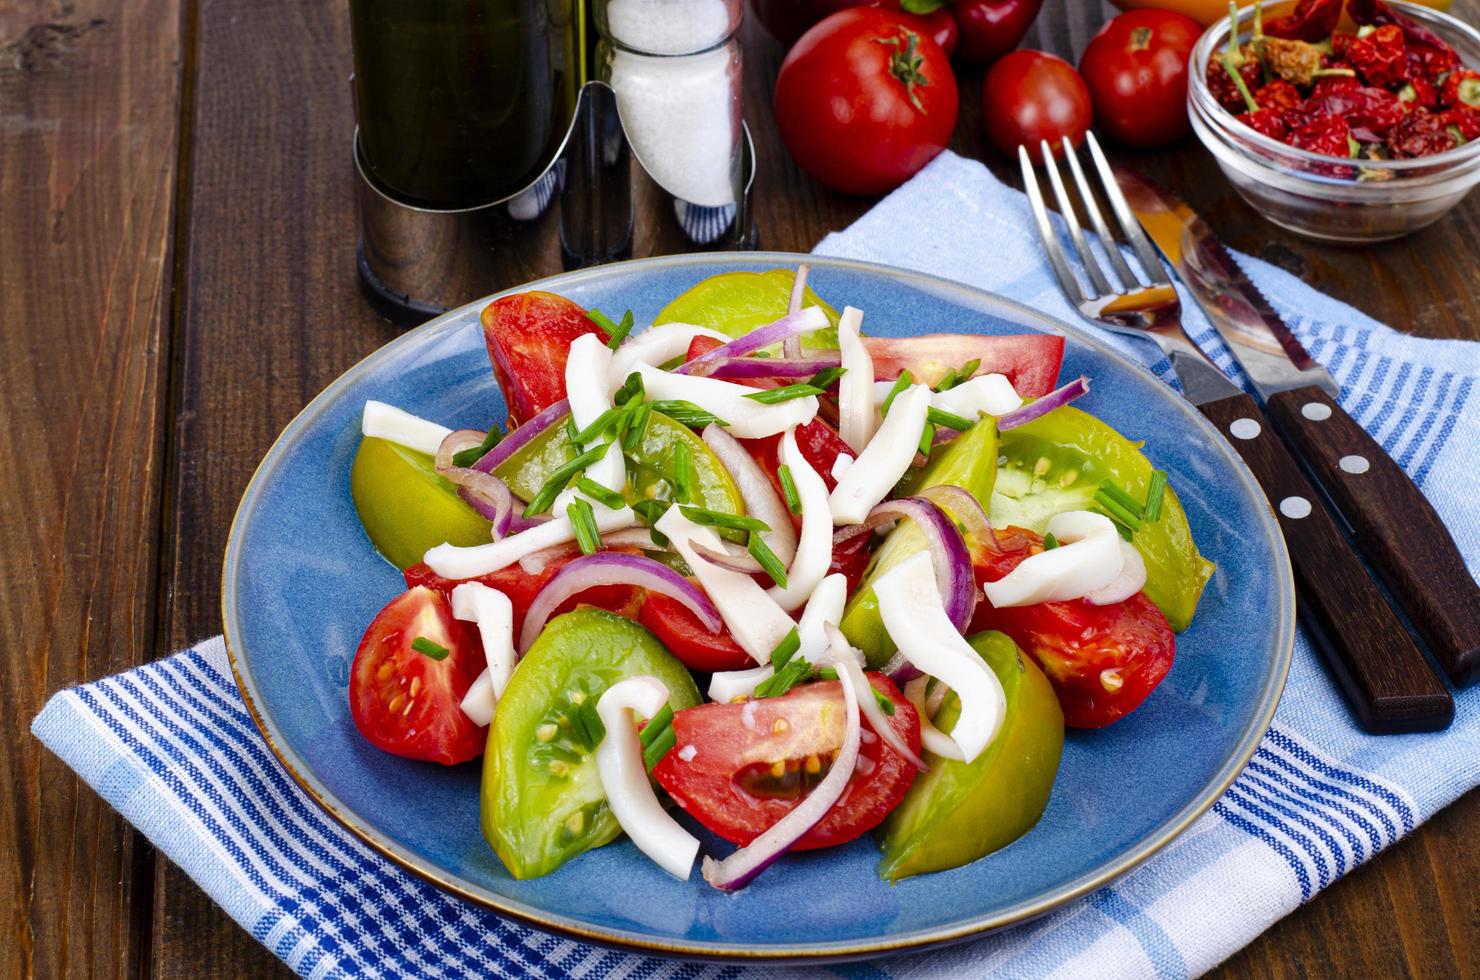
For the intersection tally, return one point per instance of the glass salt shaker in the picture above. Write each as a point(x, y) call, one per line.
point(674, 66)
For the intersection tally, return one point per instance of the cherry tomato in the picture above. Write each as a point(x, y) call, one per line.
point(991, 28)
point(1136, 69)
point(406, 702)
point(754, 762)
point(1030, 96)
point(863, 102)
point(528, 336)
point(936, 24)
point(690, 640)
point(521, 587)
point(1103, 661)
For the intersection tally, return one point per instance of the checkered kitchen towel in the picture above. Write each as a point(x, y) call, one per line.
point(172, 747)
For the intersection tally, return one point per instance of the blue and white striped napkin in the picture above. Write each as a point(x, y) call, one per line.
point(171, 746)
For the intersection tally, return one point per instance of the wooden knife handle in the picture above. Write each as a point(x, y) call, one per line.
point(1395, 525)
point(1388, 682)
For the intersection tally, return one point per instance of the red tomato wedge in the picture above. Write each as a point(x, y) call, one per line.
point(688, 639)
point(1103, 661)
point(407, 702)
point(528, 336)
point(1030, 360)
point(754, 761)
point(521, 587)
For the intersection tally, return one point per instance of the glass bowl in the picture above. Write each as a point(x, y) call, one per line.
point(1328, 198)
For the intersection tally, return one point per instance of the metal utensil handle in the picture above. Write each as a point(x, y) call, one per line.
point(1388, 682)
point(1396, 526)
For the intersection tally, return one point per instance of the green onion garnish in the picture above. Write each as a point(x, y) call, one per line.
point(1125, 532)
point(683, 474)
point(967, 370)
point(650, 732)
point(713, 518)
point(950, 420)
point(784, 679)
point(430, 648)
point(631, 388)
point(775, 396)
point(1119, 506)
point(687, 413)
point(637, 429)
point(596, 491)
point(467, 457)
point(1050, 542)
point(586, 724)
point(584, 521)
point(786, 649)
point(615, 332)
point(789, 489)
point(651, 511)
point(1154, 495)
point(927, 438)
point(947, 381)
point(904, 380)
point(558, 480)
point(598, 428)
point(1113, 491)
point(661, 746)
point(762, 553)
point(827, 377)
point(573, 433)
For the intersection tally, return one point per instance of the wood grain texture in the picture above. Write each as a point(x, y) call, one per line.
point(1395, 525)
point(89, 116)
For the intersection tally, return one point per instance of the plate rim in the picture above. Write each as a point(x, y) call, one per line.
point(1153, 842)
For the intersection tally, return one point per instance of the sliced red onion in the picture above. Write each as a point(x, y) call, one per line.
point(522, 436)
point(772, 367)
point(742, 563)
point(760, 496)
point(850, 531)
point(948, 555)
point(876, 718)
point(615, 568)
point(962, 505)
point(1035, 409)
point(792, 346)
point(791, 325)
point(741, 867)
point(899, 669)
point(633, 537)
point(484, 492)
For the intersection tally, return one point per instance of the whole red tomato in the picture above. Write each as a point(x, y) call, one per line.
point(1030, 96)
point(863, 102)
point(991, 28)
point(1136, 69)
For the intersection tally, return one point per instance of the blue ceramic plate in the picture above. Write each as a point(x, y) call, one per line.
point(302, 581)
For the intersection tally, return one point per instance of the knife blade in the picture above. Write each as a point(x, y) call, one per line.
point(1394, 524)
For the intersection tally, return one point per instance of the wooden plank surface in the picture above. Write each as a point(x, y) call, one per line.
point(89, 118)
point(269, 312)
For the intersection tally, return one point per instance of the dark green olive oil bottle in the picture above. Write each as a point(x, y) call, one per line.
point(461, 103)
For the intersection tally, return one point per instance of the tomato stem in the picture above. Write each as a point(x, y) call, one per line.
point(1141, 38)
point(906, 64)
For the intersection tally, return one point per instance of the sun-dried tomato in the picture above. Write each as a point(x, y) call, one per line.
point(1461, 88)
point(1270, 122)
point(1325, 133)
point(1419, 134)
point(1278, 94)
point(1311, 20)
point(1465, 120)
point(1221, 85)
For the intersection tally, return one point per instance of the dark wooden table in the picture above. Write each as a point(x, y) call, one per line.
point(177, 278)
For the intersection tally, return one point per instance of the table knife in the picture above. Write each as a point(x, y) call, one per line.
point(1394, 524)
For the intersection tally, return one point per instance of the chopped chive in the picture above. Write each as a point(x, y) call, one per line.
point(947, 381)
point(784, 679)
point(660, 747)
point(1117, 512)
point(584, 521)
point(468, 457)
point(430, 648)
point(596, 491)
point(968, 370)
point(1125, 532)
point(631, 388)
point(637, 430)
point(1113, 491)
point(786, 649)
point(1050, 542)
point(713, 518)
point(650, 732)
point(885, 704)
point(573, 433)
point(615, 332)
point(602, 320)
point(687, 413)
point(597, 428)
point(775, 396)
point(904, 380)
point(1154, 495)
point(950, 420)
point(762, 553)
point(683, 474)
point(651, 511)
point(558, 480)
point(789, 489)
point(927, 438)
point(590, 723)
point(827, 377)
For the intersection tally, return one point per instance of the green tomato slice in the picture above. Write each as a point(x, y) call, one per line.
point(650, 469)
point(958, 812)
point(405, 507)
point(968, 461)
point(1056, 463)
point(735, 303)
point(542, 799)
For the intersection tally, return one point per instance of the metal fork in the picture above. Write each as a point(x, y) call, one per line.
point(1139, 310)
point(1385, 678)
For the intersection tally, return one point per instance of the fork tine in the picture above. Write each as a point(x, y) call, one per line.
point(1056, 260)
point(1066, 211)
point(1092, 208)
point(1129, 225)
